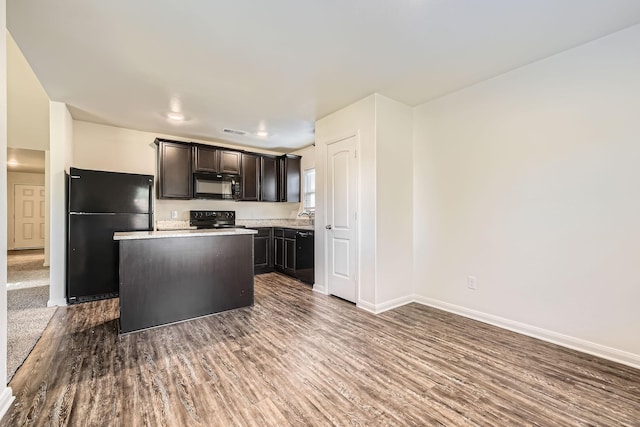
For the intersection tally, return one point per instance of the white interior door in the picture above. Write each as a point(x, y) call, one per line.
point(28, 216)
point(341, 230)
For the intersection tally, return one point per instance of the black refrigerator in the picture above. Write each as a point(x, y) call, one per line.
point(100, 203)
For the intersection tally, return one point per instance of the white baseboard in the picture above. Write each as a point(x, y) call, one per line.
point(573, 343)
point(320, 288)
point(385, 306)
point(6, 397)
point(60, 302)
point(367, 306)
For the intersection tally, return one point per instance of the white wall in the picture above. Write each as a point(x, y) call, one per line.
point(14, 178)
point(124, 150)
point(60, 157)
point(6, 396)
point(394, 203)
point(27, 102)
point(385, 207)
point(529, 181)
point(356, 119)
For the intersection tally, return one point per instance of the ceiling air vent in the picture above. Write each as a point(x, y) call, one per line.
point(234, 131)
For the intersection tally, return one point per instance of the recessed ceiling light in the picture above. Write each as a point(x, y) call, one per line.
point(175, 116)
point(12, 163)
point(262, 133)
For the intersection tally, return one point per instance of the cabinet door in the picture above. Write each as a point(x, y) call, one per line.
point(278, 252)
point(229, 162)
point(293, 179)
point(250, 177)
point(174, 170)
point(262, 251)
point(289, 178)
point(268, 179)
point(289, 256)
point(205, 159)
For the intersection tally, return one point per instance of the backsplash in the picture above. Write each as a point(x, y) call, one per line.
point(244, 210)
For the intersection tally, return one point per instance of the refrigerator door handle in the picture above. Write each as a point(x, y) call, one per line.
point(75, 176)
point(92, 213)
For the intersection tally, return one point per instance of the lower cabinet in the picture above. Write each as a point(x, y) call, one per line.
point(285, 251)
point(262, 251)
point(284, 245)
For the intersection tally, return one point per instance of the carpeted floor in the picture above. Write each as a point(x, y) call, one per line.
point(27, 311)
point(25, 269)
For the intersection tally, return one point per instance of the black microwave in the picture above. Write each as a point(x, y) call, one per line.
point(216, 186)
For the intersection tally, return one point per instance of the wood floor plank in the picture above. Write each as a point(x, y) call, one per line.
point(303, 359)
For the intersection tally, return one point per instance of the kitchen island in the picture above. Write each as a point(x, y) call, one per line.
point(170, 276)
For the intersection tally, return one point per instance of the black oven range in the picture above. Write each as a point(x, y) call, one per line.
point(213, 219)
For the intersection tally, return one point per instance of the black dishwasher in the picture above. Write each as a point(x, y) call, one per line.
point(304, 256)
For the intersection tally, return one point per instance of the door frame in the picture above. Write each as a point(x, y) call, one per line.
point(327, 143)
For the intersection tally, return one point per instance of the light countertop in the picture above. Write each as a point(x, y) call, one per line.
point(283, 223)
point(136, 235)
point(297, 224)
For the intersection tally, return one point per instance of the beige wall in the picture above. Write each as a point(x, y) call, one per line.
point(6, 396)
point(308, 161)
point(124, 150)
point(14, 178)
point(529, 181)
point(28, 103)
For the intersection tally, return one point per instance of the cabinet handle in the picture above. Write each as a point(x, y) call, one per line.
point(328, 227)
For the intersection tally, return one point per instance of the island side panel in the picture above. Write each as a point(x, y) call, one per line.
point(173, 279)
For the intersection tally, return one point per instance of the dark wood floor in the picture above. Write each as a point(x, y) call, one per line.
point(300, 358)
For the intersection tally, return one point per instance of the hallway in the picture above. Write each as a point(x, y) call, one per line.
point(27, 311)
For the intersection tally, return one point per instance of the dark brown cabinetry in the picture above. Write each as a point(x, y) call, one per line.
point(269, 179)
point(229, 161)
point(250, 177)
point(174, 170)
point(284, 245)
point(263, 177)
point(263, 251)
point(289, 178)
point(205, 159)
point(157, 287)
point(290, 251)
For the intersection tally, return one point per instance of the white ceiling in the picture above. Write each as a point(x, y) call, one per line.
point(282, 64)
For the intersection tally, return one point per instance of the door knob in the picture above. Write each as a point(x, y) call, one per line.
point(328, 227)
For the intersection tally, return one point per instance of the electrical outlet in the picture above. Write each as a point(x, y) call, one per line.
point(471, 282)
point(174, 214)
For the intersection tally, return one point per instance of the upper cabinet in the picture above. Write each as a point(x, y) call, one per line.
point(174, 170)
point(264, 177)
point(269, 178)
point(289, 178)
point(250, 177)
point(216, 160)
point(205, 159)
point(229, 161)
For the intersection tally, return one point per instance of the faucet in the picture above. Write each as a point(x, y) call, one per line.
point(309, 214)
